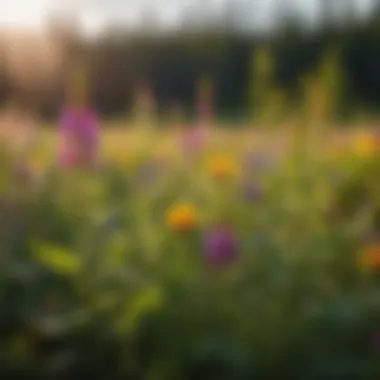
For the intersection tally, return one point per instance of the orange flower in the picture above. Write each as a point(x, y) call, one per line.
point(182, 217)
point(223, 167)
point(366, 145)
point(369, 258)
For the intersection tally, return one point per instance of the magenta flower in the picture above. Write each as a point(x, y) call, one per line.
point(78, 129)
point(220, 246)
point(193, 140)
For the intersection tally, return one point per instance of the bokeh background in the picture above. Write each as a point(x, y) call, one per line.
point(171, 44)
point(220, 218)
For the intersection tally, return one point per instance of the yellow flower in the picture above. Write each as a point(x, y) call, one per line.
point(366, 145)
point(369, 257)
point(182, 217)
point(223, 167)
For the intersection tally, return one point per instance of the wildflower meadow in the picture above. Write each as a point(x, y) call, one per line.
point(158, 254)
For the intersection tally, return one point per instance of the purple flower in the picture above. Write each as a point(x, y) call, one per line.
point(220, 246)
point(79, 138)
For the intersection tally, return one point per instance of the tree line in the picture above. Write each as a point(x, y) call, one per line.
point(172, 64)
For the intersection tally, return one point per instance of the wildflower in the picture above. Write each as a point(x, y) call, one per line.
point(223, 167)
point(220, 246)
point(366, 145)
point(182, 217)
point(369, 257)
point(79, 138)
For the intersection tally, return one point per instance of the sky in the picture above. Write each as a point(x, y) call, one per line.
point(98, 13)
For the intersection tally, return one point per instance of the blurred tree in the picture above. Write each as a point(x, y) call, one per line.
point(171, 63)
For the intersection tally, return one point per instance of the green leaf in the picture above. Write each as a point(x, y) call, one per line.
point(57, 259)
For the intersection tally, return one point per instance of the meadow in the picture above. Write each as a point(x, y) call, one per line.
point(254, 256)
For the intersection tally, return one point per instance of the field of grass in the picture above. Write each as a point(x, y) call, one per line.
point(254, 257)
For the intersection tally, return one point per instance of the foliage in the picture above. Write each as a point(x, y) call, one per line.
point(94, 282)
